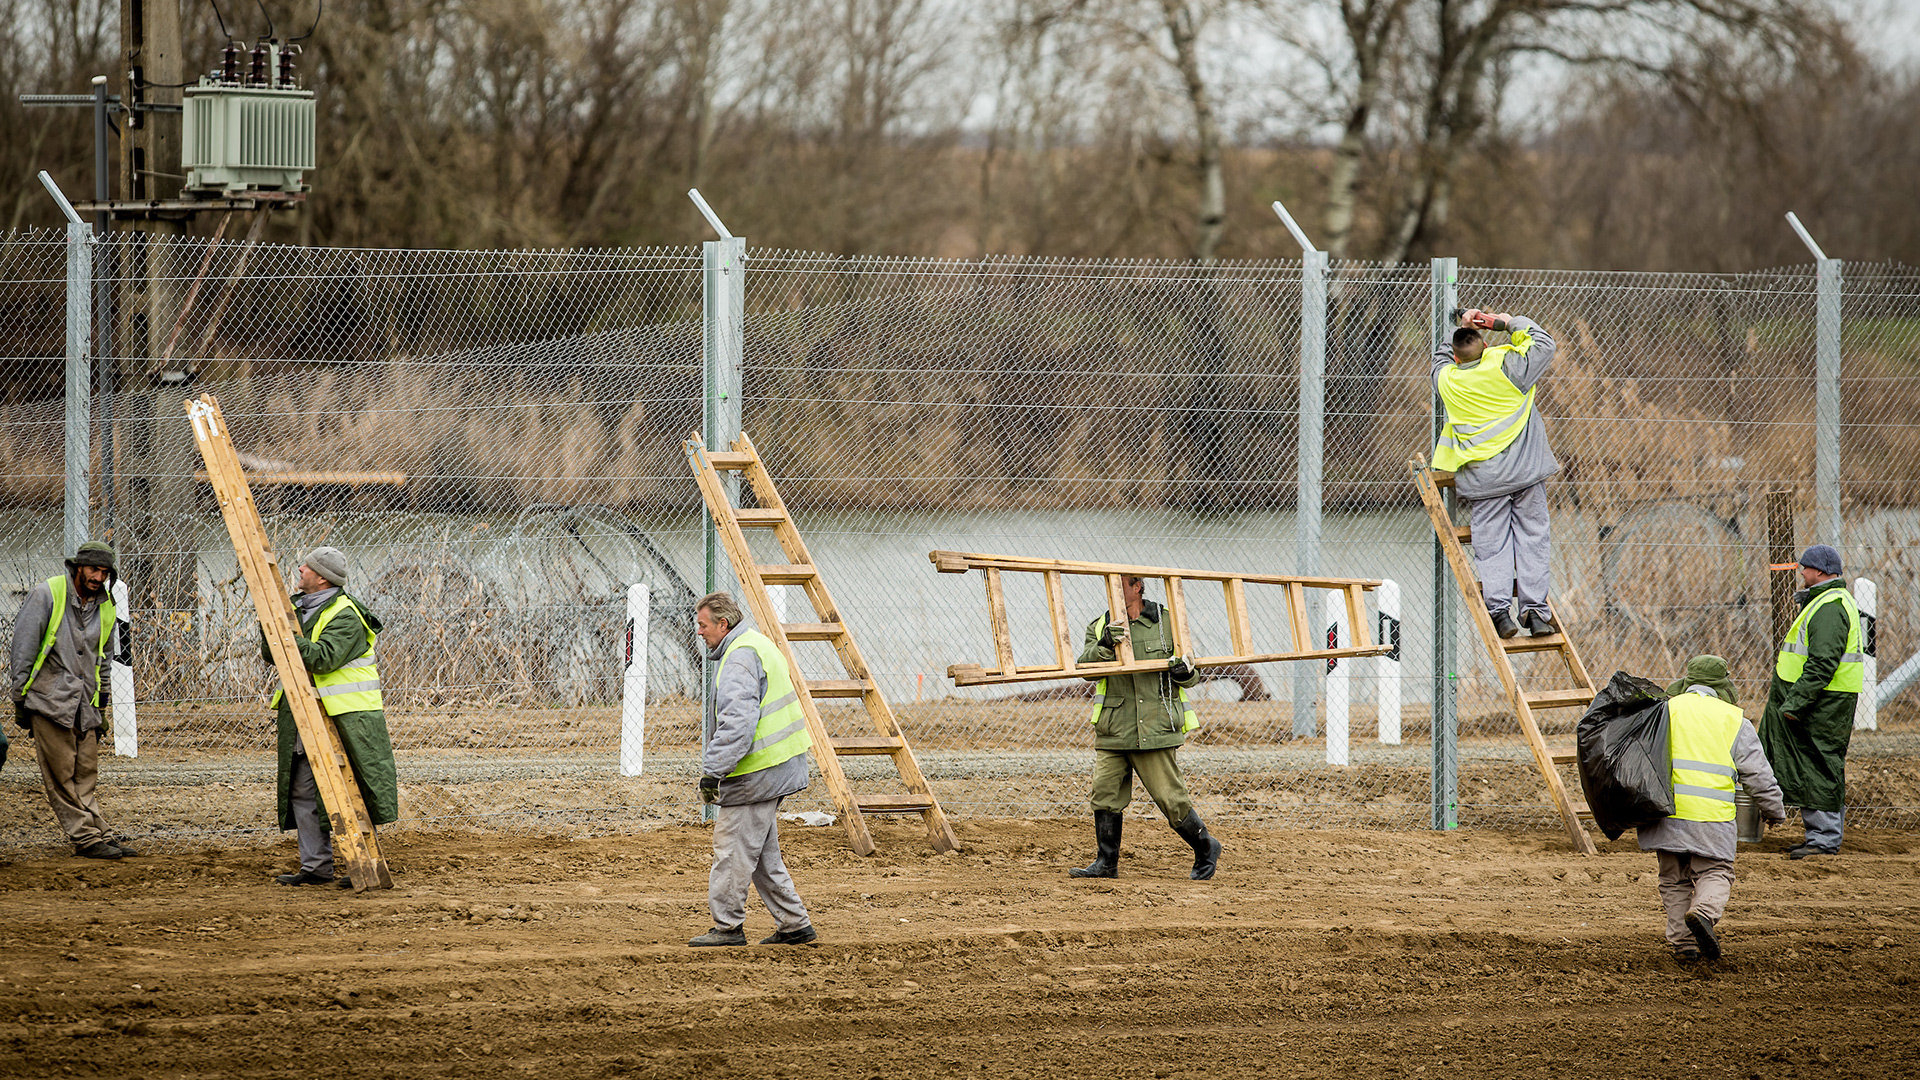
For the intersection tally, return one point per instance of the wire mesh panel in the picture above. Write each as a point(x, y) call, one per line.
point(494, 439)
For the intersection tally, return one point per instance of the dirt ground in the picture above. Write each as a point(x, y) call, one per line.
point(1314, 953)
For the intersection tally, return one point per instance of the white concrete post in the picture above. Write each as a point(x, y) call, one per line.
point(1339, 679)
point(1387, 596)
point(1866, 712)
point(126, 719)
point(633, 688)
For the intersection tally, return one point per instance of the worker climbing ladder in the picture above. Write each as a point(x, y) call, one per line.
point(353, 837)
point(829, 626)
point(1502, 650)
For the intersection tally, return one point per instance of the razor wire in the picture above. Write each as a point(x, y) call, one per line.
point(494, 439)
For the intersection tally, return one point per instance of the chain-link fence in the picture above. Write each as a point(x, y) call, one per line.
point(495, 439)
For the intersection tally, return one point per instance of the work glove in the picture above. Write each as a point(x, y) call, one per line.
point(3, 747)
point(710, 790)
point(22, 717)
point(1111, 636)
point(1180, 669)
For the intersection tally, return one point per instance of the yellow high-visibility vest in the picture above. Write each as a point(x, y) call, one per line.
point(781, 733)
point(1485, 412)
point(58, 585)
point(355, 686)
point(1700, 734)
point(1850, 674)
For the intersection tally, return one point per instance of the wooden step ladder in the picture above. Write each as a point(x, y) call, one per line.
point(353, 837)
point(828, 625)
point(1064, 634)
point(1500, 650)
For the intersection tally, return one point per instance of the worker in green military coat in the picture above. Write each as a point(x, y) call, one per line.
point(1140, 720)
point(337, 639)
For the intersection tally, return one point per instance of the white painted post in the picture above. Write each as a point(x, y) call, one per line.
point(1387, 596)
point(126, 720)
point(1866, 711)
point(633, 690)
point(1339, 679)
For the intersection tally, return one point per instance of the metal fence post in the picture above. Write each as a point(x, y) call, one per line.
point(1445, 776)
point(723, 314)
point(1828, 528)
point(1313, 384)
point(1826, 406)
point(79, 418)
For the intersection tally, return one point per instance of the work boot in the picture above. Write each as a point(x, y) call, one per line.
point(1206, 850)
point(1106, 834)
point(802, 936)
point(1701, 928)
point(1504, 625)
point(721, 935)
point(1541, 623)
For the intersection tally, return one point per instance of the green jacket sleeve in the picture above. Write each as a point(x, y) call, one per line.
point(344, 638)
point(1826, 643)
point(1093, 652)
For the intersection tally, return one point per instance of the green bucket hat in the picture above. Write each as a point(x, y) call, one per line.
point(92, 553)
point(1707, 671)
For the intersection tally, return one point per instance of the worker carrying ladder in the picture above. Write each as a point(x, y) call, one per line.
point(799, 569)
point(1501, 651)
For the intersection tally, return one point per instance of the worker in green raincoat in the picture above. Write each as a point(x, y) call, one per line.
point(1808, 722)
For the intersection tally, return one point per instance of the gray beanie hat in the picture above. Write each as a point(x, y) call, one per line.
point(329, 563)
point(1821, 557)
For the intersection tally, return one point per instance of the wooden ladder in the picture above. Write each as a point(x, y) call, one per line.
point(353, 837)
point(1500, 650)
point(886, 737)
point(1065, 634)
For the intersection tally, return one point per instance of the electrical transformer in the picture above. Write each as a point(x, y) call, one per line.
point(248, 131)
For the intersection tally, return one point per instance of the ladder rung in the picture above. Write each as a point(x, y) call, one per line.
point(895, 804)
point(727, 460)
point(760, 519)
point(1582, 810)
point(785, 575)
point(1463, 533)
point(1581, 696)
point(1442, 479)
point(868, 744)
point(1567, 756)
point(838, 687)
point(1533, 644)
point(813, 631)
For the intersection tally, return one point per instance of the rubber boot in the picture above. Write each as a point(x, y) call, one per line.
point(1106, 833)
point(1206, 850)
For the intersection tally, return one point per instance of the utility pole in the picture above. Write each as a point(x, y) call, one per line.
point(158, 481)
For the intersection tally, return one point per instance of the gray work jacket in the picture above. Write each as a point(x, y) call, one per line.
point(63, 691)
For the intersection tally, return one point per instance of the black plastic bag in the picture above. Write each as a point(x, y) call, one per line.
point(1626, 763)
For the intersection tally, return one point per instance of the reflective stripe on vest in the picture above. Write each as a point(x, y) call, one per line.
point(1700, 734)
point(58, 586)
point(1485, 411)
point(1850, 674)
point(355, 685)
point(781, 733)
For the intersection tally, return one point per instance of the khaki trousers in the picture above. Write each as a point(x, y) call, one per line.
point(69, 770)
point(1691, 882)
point(1159, 772)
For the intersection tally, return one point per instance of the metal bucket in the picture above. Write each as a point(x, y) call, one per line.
point(1746, 817)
